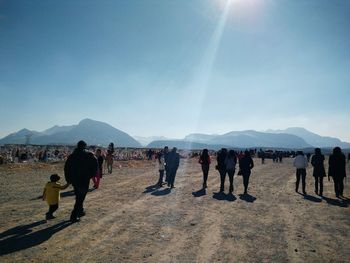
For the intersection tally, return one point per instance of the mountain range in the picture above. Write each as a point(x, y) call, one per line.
point(93, 132)
point(100, 133)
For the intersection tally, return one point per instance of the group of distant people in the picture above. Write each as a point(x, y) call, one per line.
point(82, 165)
point(336, 170)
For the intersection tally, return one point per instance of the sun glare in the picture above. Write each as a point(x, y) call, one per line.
point(246, 6)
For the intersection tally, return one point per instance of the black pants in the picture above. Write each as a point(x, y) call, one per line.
point(245, 176)
point(223, 178)
point(300, 173)
point(80, 194)
point(338, 185)
point(167, 175)
point(171, 178)
point(319, 182)
point(52, 209)
point(205, 170)
point(161, 174)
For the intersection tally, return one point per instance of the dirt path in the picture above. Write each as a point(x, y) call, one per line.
point(129, 220)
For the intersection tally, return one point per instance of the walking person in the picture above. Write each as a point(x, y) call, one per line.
point(221, 167)
point(337, 170)
point(172, 164)
point(300, 163)
point(317, 161)
point(161, 168)
point(109, 161)
point(96, 179)
point(205, 161)
point(52, 194)
point(230, 163)
point(79, 168)
point(246, 164)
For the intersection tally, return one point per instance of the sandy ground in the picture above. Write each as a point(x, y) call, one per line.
point(128, 220)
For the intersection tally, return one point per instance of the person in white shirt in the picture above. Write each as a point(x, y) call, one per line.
point(300, 162)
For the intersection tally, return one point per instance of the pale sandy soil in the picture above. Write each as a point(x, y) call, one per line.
point(127, 221)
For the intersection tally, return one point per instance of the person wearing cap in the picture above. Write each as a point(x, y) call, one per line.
point(52, 194)
point(79, 168)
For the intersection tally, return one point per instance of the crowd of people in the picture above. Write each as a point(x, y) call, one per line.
point(83, 164)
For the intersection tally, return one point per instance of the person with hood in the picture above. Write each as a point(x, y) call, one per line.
point(79, 168)
point(300, 163)
point(246, 164)
point(205, 161)
point(221, 167)
point(336, 170)
point(317, 161)
point(172, 164)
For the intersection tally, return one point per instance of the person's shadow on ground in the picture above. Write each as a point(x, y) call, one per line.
point(341, 203)
point(68, 193)
point(162, 192)
point(311, 198)
point(23, 237)
point(151, 188)
point(226, 197)
point(247, 197)
point(199, 193)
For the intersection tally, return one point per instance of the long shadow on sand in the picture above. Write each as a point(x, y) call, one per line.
point(341, 203)
point(247, 197)
point(151, 188)
point(312, 198)
point(222, 196)
point(162, 192)
point(23, 237)
point(199, 193)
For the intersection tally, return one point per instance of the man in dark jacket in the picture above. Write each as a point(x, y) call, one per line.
point(79, 168)
point(172, 164)
point(246, 164)
point(221, 167)
point(337, 170)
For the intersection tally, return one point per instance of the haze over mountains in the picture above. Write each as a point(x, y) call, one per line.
point(93, 132)
point(100, 133)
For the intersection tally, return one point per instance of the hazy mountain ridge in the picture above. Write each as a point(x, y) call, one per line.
point(93, 132)
point(312, 138)
point(100, 133)
point(147, 140)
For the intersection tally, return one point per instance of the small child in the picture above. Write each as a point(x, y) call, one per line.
point(52, 194)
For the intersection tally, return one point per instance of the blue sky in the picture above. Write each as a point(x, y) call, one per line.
point(166, 67)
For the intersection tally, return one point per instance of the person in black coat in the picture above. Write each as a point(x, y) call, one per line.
point(245, 165)
point(172, 163)
point(79, 168)
point(204, 160)
point(221, 167)
point(337, 171)
point(317, 162)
